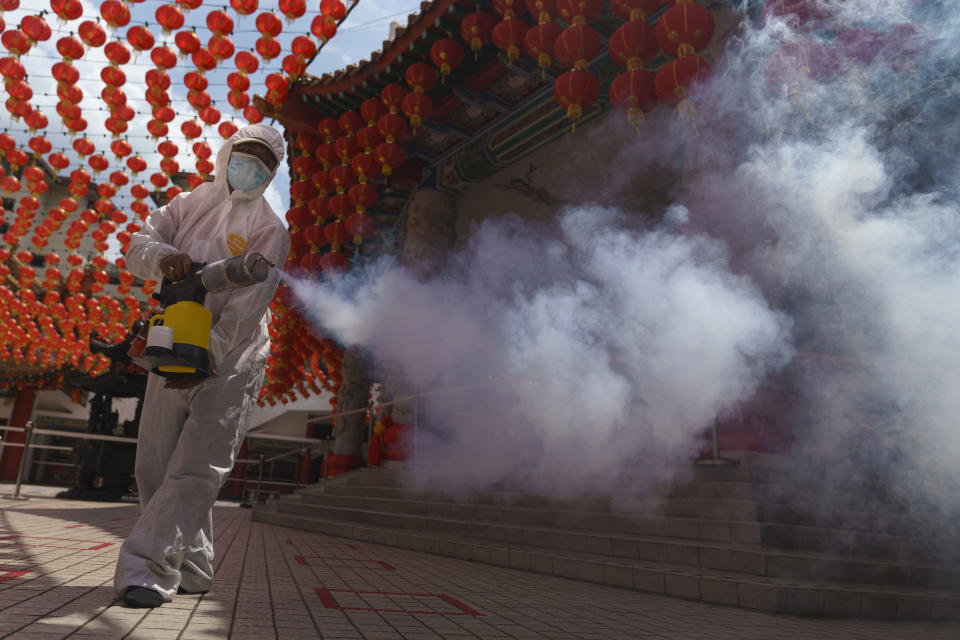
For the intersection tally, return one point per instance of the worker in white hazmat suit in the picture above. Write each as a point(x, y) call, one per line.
point(191, 430)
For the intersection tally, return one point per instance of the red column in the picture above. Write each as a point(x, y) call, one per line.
point(304, 475)
point(22, 411)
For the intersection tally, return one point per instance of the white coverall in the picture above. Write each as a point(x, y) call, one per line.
point(188, 440)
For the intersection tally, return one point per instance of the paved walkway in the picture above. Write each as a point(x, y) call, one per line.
point(273, 582)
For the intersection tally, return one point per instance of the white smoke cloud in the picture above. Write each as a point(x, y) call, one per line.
point(601, 344)
point(840, 202)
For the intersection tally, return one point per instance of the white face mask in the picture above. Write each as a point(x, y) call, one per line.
point(247, 172)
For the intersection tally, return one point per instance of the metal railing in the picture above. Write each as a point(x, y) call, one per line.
point(29, 447)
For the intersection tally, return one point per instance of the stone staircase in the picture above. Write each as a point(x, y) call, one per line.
point(727, 535)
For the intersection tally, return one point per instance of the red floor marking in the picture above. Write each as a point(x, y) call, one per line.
point(74, 526)
point(10, 575)
point(350, 546)
point(16, 539)
point(386, 566)
point(329, 602)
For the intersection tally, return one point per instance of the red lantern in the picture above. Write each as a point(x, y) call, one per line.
point(361, 226)
point(91, 33)
point(674, 80)
point(477, 29)
point(337, 233)
point(323, 27)
point(314, 235)
point(66, 10)
point(329, 129)
point(58, 161)
point(417, 107)
point(631, 10)
point(365, 166)
point(303, 48)
point(508, 36)
point(140, 38)
point(203, 59)
point(305, 166)
point(39, 145)
point(342, 176)
point(117, 52)
point(210, 115)
point(349, 122)
point(294, 66)
point(684, 29)
point(246, 63)
point(577, 46)
point(633, 43)
point(202, 150)
point(244, 7)
point(447, 54)
point(83, 147)
point(188, 42)
point(68, 47)
point(163, 57)
point(420, 76)
point(252, 115)
point(227, 128)
point(390, 156)
point(115, 13)
point(578, 12)
point(369, 137)
point(268, 47)
point(191, 129)
point(169, 17)
point(35, 28)
point(576, 91)
point(326, 154)
point(362, 196)
point(333, 9)
point(292, 9)
point(220, 23)
point(268, 24)
point(136, 164)
point(16, 42)
point(238, 100)
point(539, 42)
point(221, 47)
point(169, 166)
point(13, 69)
point(334, 262)
point(633, 91)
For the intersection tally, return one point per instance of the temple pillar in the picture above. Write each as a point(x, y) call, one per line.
point(19, 416)
point(428, 238)
point(350, 431)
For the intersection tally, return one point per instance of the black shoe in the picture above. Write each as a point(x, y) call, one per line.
point(142, 598)
point(183, 592)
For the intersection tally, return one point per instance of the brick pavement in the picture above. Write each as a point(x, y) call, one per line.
point(278, 583)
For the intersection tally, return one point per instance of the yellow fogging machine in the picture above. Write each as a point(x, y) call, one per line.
point(177, 343)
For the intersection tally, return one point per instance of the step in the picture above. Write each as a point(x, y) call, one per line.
point(784, 537)
point(719, 587)
point(701, 529)
point(727, 556)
